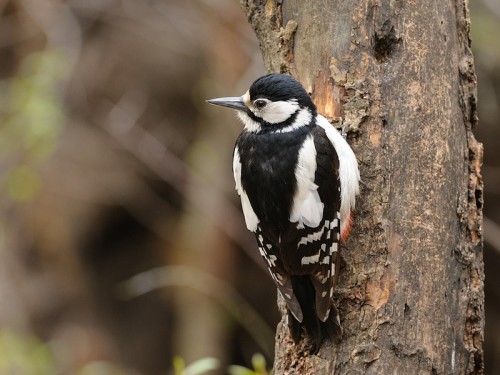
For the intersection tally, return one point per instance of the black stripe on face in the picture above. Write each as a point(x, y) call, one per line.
point(267, 127)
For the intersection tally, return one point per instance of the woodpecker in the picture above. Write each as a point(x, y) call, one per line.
point(297, 178)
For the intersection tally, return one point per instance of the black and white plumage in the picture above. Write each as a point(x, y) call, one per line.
point(297, 178)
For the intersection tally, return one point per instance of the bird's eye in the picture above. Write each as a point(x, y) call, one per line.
point(260, 103)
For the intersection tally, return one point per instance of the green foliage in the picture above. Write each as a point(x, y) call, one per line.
point(24, 355)
point(22, 183)
point(198, 367)
point(31, 118)
point(259, 367)
point(27, 355)
point(205, 365)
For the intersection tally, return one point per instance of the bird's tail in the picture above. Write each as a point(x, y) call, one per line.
point(311, 326)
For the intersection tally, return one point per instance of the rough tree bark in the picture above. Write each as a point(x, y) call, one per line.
point(401, 74)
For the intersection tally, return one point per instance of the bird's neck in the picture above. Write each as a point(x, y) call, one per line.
point(303, 117)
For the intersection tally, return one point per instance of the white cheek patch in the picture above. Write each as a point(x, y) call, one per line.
point(276, 112)
point(250, 125)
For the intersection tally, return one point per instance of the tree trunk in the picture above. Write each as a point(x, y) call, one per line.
point(401, 74)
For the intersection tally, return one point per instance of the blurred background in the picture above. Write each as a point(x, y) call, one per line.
point(122, 245)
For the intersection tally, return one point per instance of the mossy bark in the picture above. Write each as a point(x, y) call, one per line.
point(401, 74)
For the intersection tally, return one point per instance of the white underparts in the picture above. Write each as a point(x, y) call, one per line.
point(348, 171)
point(251, 218)
point(307, 208)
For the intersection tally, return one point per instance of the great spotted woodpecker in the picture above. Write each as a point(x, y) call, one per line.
point(297, 179)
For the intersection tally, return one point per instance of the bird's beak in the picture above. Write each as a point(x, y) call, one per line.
point(235, 102)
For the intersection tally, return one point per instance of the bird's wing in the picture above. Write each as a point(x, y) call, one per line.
point(323, 262)
point(317, 254)
point(270, 253)
point(314, 251)
point(324, 241)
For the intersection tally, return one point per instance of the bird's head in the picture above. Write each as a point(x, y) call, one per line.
point(274, 102)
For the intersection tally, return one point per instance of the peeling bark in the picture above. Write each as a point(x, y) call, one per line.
point(401, 74)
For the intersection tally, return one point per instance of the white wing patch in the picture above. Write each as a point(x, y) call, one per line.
point(348, 171)
point(307, 208)
point(251, 218)
point(312, 237)
point(310, 259)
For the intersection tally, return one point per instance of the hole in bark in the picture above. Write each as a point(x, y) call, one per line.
point(478, 362)
point(479, 198)
point(407, 309)
point(385, 41)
